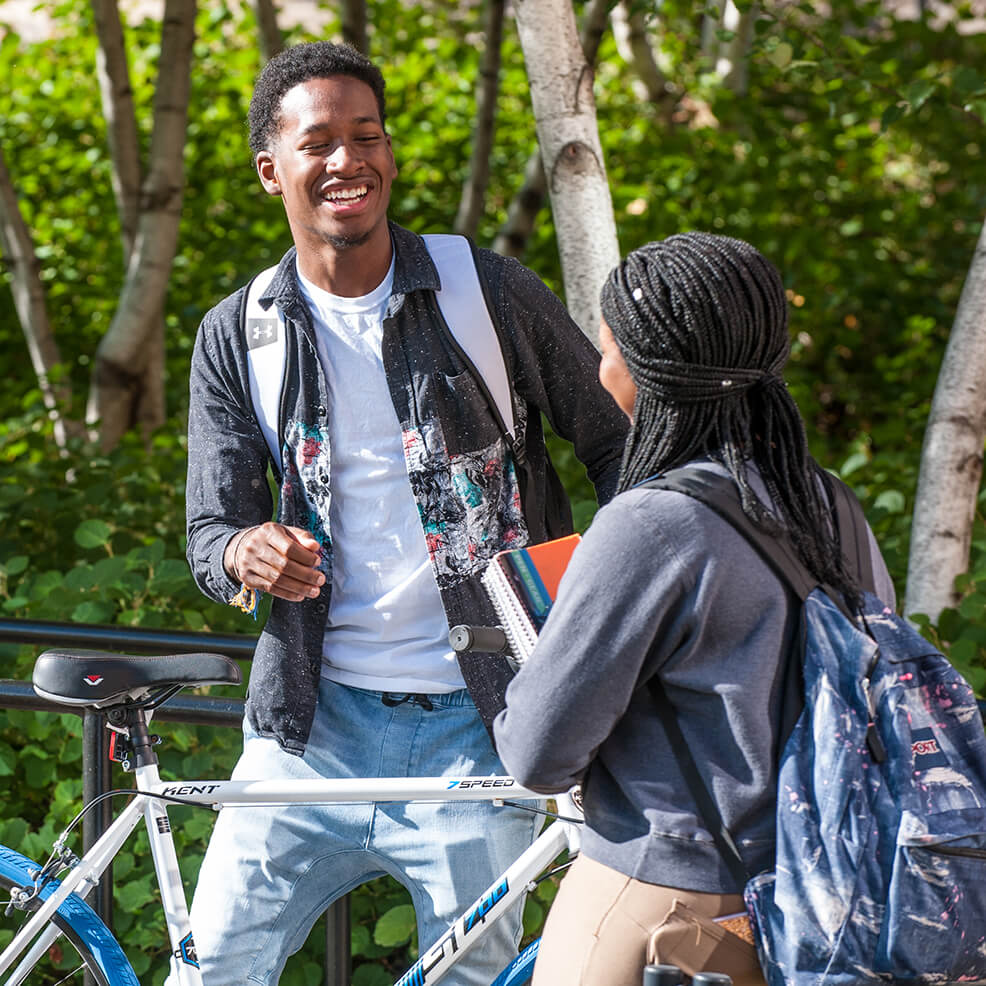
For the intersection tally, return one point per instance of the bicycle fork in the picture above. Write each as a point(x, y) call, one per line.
point(39, 933)
point(79, 880)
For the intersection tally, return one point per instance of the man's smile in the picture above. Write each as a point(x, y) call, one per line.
point(355, 192)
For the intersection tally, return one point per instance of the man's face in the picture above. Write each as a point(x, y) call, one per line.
point(332, 163)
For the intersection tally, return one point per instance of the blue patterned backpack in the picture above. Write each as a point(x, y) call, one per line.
point(880, 869)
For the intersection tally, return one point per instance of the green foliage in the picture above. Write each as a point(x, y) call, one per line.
point(384, 937)
point(854, 162)
point(539, 900)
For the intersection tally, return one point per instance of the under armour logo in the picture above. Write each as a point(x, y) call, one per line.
point(261, 332)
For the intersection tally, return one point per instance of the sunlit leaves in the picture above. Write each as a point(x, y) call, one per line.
point(395, 926)
point(854, 162)
point(93, 534)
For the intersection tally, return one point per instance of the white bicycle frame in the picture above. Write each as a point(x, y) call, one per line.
point(431, 966)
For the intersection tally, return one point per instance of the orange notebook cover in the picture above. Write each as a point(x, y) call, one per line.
point(522, 584)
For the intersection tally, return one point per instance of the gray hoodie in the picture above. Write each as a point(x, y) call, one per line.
point(660, 585)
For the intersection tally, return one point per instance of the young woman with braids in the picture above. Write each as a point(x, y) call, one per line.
point(694, 337)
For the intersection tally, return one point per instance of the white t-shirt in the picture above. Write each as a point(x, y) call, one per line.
point(387, 629)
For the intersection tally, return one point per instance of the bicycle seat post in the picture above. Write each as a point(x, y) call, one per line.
point(143, 742)
point(131, 722)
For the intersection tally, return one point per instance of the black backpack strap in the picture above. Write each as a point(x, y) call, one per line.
point(719, 493)
point(708, 810)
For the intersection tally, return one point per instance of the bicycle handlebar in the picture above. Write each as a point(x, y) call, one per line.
point(486, 640)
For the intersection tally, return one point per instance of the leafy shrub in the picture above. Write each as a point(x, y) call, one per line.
point(853, 162)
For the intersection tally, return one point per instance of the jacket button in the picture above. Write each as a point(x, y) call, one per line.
point(321, 411)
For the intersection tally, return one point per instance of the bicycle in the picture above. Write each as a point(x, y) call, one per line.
point(49, 900)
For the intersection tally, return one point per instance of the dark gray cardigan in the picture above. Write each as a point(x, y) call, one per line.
point(463, 479)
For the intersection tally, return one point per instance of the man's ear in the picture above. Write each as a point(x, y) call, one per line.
point(268, 173)
point(393, 160)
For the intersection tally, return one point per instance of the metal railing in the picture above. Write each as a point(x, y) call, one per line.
point(198, 709)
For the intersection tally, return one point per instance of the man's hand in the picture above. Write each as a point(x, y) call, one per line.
point(276, 559)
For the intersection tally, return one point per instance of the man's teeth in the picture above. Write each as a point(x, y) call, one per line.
point(346, 193)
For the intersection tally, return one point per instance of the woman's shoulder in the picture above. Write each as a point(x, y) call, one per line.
point(645, 505)
point(655, 524)
point(647, 502)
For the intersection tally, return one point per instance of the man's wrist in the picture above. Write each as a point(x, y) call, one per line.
point(231, 551)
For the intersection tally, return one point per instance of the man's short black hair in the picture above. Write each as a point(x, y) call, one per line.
point(297, 64)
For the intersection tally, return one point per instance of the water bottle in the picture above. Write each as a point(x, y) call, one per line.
point(711, 979)
point(662, 975)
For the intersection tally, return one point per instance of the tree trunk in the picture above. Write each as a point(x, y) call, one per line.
point(732, 56)
point(271, 39)
point(151, 406)
point(711, 22)
point(594, 24)
point(121, 120)
point(568, 134)
point(123, 355)
point(952, 456)
point(523, 210)
point(487, 89)
point(353, 13)
point(17, 247)
point(630, 32)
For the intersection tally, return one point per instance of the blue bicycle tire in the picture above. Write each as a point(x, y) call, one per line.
point(77, 921)
point(521, 969)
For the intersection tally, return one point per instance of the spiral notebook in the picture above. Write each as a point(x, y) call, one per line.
point(522, 583)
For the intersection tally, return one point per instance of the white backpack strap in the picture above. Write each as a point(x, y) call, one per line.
point(265, 339)
point(463, 306)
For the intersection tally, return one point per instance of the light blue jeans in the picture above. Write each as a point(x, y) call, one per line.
point(269, 873)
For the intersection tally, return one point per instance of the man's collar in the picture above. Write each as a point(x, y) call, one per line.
point(414, 270)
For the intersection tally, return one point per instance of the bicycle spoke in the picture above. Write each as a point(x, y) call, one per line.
point(72, 974)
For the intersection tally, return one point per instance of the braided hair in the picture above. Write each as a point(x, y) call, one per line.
point(701, 321)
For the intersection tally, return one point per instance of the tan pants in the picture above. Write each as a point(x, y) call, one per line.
point(603, 927)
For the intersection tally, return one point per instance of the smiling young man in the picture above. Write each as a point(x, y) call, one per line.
point(395, 487)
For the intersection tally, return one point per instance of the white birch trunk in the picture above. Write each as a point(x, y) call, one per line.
point(952, 455)
point(17, 247)
point(522, 213)
point(568, 135)
point(711, 22)
point(122, 354)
